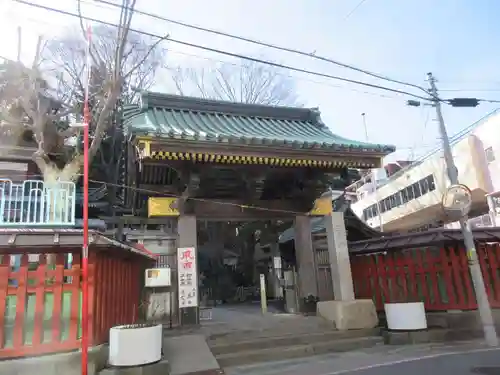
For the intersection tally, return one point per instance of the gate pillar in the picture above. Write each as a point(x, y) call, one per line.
point(306, 264)
point(186, 229)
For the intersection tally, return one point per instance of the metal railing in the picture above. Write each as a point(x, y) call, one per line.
point(34, 203)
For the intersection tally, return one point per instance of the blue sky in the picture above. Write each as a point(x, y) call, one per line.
point(455, 39)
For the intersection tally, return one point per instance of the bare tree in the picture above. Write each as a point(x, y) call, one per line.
point(49, 102)
point(66, 57)
point(246, 82)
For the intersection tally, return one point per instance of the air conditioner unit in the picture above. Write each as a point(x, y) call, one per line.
point(158, 277)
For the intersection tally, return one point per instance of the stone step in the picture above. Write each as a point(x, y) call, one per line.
point(226, 345)
point(246, 357)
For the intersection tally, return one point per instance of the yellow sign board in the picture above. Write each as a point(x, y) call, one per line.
point(162, 207)
point(322, 207)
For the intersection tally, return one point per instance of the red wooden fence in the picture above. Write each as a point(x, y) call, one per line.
point(438, 277)
point(40, 299)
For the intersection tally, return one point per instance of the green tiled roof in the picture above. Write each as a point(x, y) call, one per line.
point(173, 116)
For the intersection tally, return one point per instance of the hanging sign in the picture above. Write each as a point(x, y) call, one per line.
point(187, 277)
point(162, 206)
point(322, 207)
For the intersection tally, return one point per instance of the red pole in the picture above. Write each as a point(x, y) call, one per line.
point(85, 247)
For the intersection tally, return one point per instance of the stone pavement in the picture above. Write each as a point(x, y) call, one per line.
point(188, 354)
point(247, 319)
point(452, 359)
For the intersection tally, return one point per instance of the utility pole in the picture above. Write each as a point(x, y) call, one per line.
point(484, 307)
point(363, 115)
point(19, 43)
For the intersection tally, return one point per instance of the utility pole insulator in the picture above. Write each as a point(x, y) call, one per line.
point(464, 102)
point(413, 103)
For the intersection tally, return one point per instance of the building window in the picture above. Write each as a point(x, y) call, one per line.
point(409, 192)
point(430, 182)
point(398, 199)
point(416, 189)
point(490, 155)
point(424, 186)
point(382, 206)
point(404, 196)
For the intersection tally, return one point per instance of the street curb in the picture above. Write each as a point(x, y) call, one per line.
point(297, 351)
point(429, 336)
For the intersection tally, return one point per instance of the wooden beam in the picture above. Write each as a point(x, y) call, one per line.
point(286, 151)
point(163, 189)
point(236, 210)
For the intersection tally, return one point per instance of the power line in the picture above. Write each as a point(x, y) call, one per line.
point(168, 195)
point(488, 101)
point(354, 10)
point(470, 90)
point(264, 44)
point(226, 62)
point(231, 54)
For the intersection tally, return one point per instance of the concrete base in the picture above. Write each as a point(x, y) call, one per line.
point(65, 363)
point(356, 314)
point(159, 368)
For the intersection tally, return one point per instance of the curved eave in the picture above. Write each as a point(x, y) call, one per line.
point(379, 150)
point(137, 118)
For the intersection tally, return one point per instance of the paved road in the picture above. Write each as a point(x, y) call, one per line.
point(458, 359)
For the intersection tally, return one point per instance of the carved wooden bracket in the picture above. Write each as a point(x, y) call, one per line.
point(191, 182)
point(312, 185)
point(255, 185)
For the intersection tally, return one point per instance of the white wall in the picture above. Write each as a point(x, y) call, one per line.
point(489, 134)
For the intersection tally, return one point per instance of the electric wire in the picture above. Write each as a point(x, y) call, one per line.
point(170, 195)
point(227, 53)
point(354, 10)
point(225, 62)
point(263, 44)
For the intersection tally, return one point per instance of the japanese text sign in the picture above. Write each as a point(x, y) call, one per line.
point(187, 277)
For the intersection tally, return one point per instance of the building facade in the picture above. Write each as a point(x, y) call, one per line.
point(411, 198)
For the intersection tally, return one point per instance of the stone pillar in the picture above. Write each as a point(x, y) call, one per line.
point(338, 252)
point(306, 263)
point(345, 312)
point(186, 229)
point(492, 211)
point(277, 273)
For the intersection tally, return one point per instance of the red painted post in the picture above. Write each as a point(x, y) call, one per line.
point(391, 278)
point(39, 300)
point(410, 269)
point(379, 303)
point(485, 269)
point(85, 245)
point(57, 308)
point(448, 276)
point(467, 280)
point(381, 267)
point(22, 284)
point(421, 270)
point(4, 285)
point(493, 252)
point(75, 297)
point(435, 303)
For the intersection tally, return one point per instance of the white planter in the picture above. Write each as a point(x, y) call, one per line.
point(409, 316)
point(135, 345)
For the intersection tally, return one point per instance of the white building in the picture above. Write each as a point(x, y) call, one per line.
point(411, 198)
